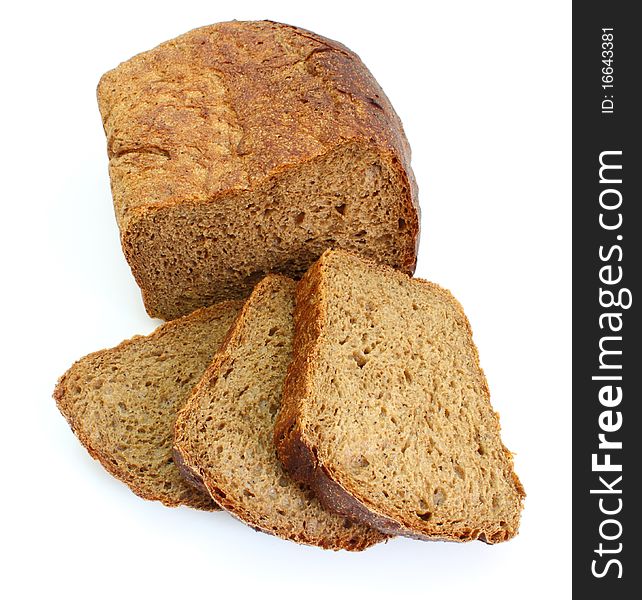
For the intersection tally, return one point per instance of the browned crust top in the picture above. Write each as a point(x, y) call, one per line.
point(224, 107)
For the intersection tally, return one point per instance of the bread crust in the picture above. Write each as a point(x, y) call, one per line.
point(298, 453)
point(154, 159)
point(202, 502)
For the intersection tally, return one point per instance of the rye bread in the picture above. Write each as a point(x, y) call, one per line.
point(122, 403)
point(224, 433)
point(245, 148)
point(386, 411)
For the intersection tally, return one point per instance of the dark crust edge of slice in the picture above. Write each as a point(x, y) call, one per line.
point(299, 456)
point(190, 470)
point(59, 395)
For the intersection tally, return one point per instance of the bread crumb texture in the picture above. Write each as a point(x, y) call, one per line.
point(224, 434)
point(387, 412)
point(122, 402)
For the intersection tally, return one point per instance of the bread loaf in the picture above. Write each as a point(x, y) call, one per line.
point(386, 411)
point(122, 402)
point(245, 148)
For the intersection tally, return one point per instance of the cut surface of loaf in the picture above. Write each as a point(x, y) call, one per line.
point(245, 148)
point(122, 402)
point(224, 433)
point(386, 411)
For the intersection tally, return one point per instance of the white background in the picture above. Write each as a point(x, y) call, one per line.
point(483, 89)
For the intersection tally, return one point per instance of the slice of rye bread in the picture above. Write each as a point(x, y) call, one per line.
point(224, 433)
point(386, 411)
point(122, 402)
point(246, 148)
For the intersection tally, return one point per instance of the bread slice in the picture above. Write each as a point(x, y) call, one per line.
point(224, 433)
point(386, 411)
point(246, 148)
point(122, 402)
